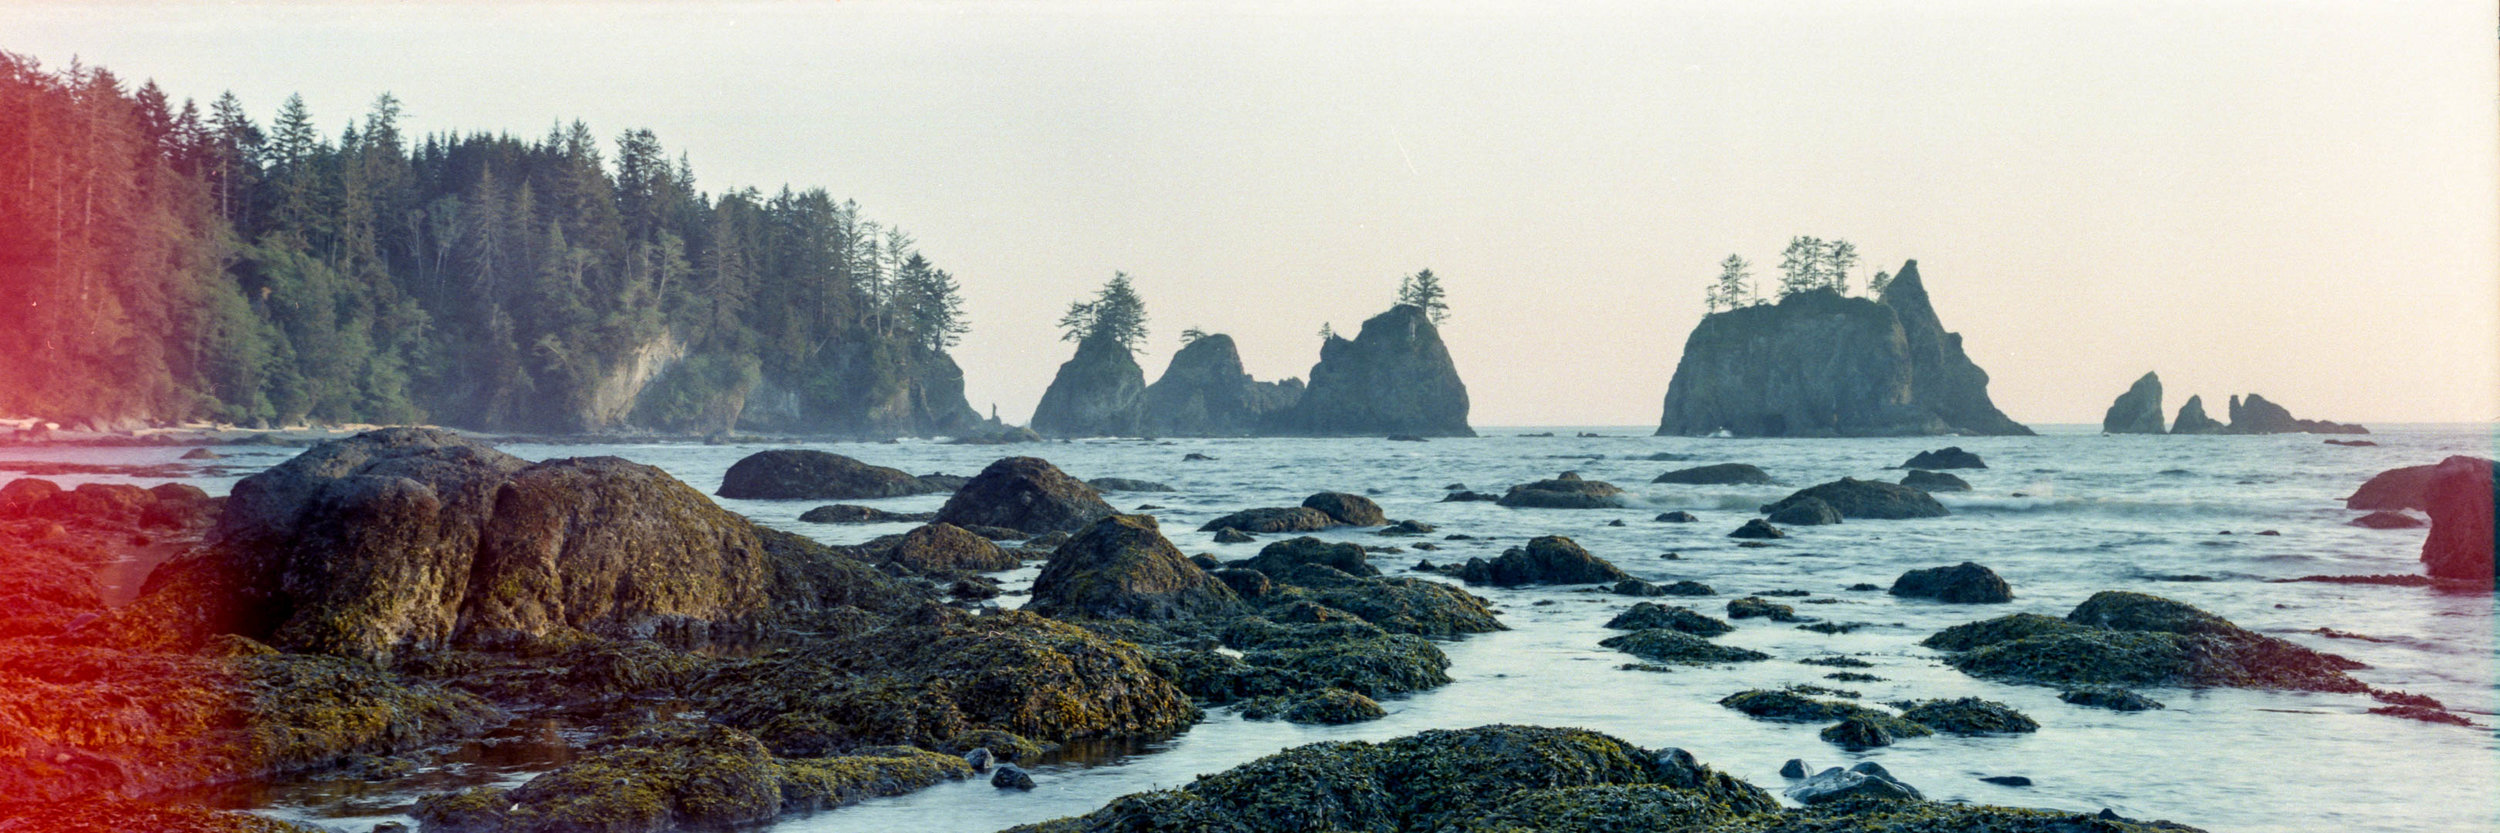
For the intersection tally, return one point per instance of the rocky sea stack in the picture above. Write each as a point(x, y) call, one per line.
point(2138, 411)
point(1097, 393)
point(1205, 393)
point(1395, 377)
point(1820, 364)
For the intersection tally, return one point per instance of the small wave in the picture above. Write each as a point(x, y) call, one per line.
point(2120, 507)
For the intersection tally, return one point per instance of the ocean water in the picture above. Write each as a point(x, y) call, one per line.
point(2059, 516)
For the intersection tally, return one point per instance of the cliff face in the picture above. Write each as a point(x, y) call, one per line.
point(1395, 377)
point(1097, 393)
point(1205, 393)
point(2138, 411)
point(1819, 364)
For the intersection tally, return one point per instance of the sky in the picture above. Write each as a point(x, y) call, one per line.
point(2300, 199)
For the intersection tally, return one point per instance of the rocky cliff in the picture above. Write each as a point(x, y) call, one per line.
point(1819, 364)
point(1395, 377)
point(1097, 393)
point(1205, 393)
point(2138, 411)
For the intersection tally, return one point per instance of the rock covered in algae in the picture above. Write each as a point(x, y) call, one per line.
point(808, 474)
point(1653, 615)
point(2124, 638)
point(1550, 559)
point(1122, 567)
point(1679, 647)
point(1025, 493)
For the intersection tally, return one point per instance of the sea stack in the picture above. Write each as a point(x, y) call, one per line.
point(1821, 364)
point(2255, 415)
point(1205, 393)
point(2138, 411)
point(2192, 419)
point(1395, 377)
point(1096, 394)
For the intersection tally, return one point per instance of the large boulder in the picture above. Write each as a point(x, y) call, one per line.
point(1273, 519)
point(1394, 377)
point(1717, 474)
point(1205, 393)
point(1351, 510)
point(807, 474)
point(2460, 498)
point(1097, 393)
point(1964, 583)
point(1567, 491)
point(1027, 494)
point(1121, 567)
point(945, 547)
point(2192, 419)
point(2138, 411)
point(1808, 511)
point(1855, 498)
point(1550, 559)
point(2255, 415)
point(1820, 364)
point(1950, 457)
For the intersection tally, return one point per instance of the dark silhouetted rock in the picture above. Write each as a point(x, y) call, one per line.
point(2111, 698)
point(1550, 559)
point(1463, 496)
point(1807, 511)
point(1951, 457)
point(1395, 377)
point(1934, 481)
point(1351, 510)
point(1757, 528)
point(1676, 517)
point(2460, 499)
point(1678, 647)
point(1836, 784)
point(1820, 364)
point(998, 435)
point(1205, 393)
point(1025, 493)
point(1098, 393)
point(2255, 415)
point(2352, 443)
point(201, 454)
point(1720, 474)
point(2192, 419)
point(807, 474)
point(1565, 492)
point(1122, 568)
point(2384, 519)
point(1964, 583)
point(2138, 411)
point(1274, 519)
point(1010, 777)
point(1647, 615)
point(844, 513)
point(1866, 499)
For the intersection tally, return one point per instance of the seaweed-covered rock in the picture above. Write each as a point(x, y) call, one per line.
point(1599, 809)
point(1807, 511)
point(1934, 481)
point(1286, 560)
point(1856, 498)
point(1756, 607)
point(1964, 583)
point(1025, 493)
point(1122, 567)
point(1870, 782)
point(104, 813)
point(1372, 664)
point(2460, 499)
point(1969, 716)
point(1566, 491)
point(1717, 474)
point(1676, 646)
point(2130, 611)
point(2108, 697)
point(2132, 639)
point(1951, 457)
point(808, 474)
point(941, 547)
point(1647, 615)
point(1758, 528)
point(1333, 707)
point(1410, 605)
point(1792, 707)
point(1351, 510)
point(1273, 519)
point(2006, 628)
point(846, 513)
point(1229, 535)
point(1550, 559)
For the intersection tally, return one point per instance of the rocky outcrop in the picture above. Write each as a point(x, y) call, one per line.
point(1395, 377)
point(1964, 583)
point(1551, 559)
point(1819, 364)
point(807, 474)
point(1097, 393)
point(1027, 494)
point(2460, 500)
point(2255, 415)
point(1720, 474)
point(1866, 499)
point(1122, 567)
point(2138, 411)
point(2192, 419)
point(1205, 393)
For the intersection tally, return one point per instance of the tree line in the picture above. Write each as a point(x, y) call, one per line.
point(1118, 314)
point(161, 262)
point(1807, 265)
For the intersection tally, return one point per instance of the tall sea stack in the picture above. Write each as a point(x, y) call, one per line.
point(1096, 394)
point(1821, 364)
point(2138, 411)
point(1395, 377)
point(1205, 393)
point(2192, 419)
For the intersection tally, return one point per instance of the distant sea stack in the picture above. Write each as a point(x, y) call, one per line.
point(1395, 377)
point(1096, 394)
point(2192, 419)
point(1205, 393)
point(2255, 415)
point(2138, 411)
point(1821, 364)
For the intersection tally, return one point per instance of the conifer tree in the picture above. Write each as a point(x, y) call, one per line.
point(1423, 290)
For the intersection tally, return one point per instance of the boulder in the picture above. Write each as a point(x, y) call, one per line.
point(1205, 393)
point(1284, 560)
point(807, 474)
point(1757, 528)
point(1550, 559)
point(1969, 716)
point(2460, 499)
point(1394, 377)
point(2120, 638)
point(1719, 474)
point(1934, 481)
point(1098, 393)
point(1855, 498)
point(1836, 784)
point(2192, 419)
point(1868, 731)
point(1025, 493)
point(1809, 511)
point(846, 513)
point(1676, 517)
point(2255, 415)
point(1964, 583)
point(1678, 647)
point(2138, 411)
point(1950, 457)
point(1821, 364)
point(1229, 535)
point(1122, 567)
point(1351, 510)
point(1011, 777)
point(2384, 519)
point(945, 547)
point(1648, 615)
point(1273, 519)
point(1567, 491)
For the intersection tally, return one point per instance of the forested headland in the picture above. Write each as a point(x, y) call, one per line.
point(162, 261)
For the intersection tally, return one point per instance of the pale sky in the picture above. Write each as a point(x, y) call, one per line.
point(2296, 198)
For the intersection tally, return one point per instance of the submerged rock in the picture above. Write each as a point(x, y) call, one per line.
point(1550, 559)
point(1964, 583)
point(1676, 517)
point(807, 474)
point(1567, 491)
point(1394, 377)
point(1867, 499)
point(1274, 519)
point(844, 513)
point(1950, 457)
point(1867, 731)
point(2138, 411)
point(1122, 567)
point(1123, 484)
point(1025, 493)
point(1934, 481)
point(1720, 474)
